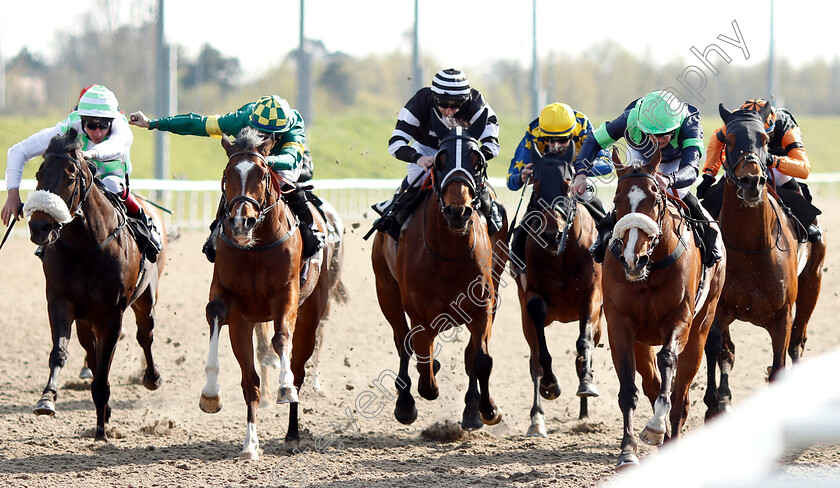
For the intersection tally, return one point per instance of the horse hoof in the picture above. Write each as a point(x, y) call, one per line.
point(44, 407)
point(287, 395)
point(626, 460)
point(652, 437)
point(550, 392)
point(494, 418)
point(406, 416)
point(587, 389)
point(152, 382)
point(85, 373)
point(249, 455)
point(537, 428)
point(292, 445)
point(471, 422)
point(210, 404)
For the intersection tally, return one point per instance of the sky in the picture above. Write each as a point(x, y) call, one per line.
point(454, 32)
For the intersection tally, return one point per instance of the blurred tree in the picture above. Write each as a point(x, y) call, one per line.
point(339, 80)
point(210, 67)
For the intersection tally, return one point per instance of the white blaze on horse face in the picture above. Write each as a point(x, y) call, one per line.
point(636, 196)
point(212, 367)
point(243, 167)
point(630, 247)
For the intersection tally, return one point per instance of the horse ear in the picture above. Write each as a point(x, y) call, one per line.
point(536, 155)
point(227, 143)
point(656, 158)
point(266, 146)
point(765, 111)
point(438, 125)
point(724, 114)
point(477, 128)
point(616, 159)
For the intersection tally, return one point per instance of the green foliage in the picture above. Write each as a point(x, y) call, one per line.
point(355, 145)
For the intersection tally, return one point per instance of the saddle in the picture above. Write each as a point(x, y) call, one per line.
point(137, 227)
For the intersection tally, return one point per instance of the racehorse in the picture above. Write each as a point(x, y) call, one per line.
point(764, 260)
point(94, 270)
point(338, 293)
point(444, 273)
point(656, 292)
point(562, 282)
point(258, 276)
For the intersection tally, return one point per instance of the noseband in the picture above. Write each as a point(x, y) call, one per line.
point(475, 182)
point(262, 209)
point(660, 203)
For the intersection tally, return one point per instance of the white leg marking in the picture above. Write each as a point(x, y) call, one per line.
point(287, 378)
point(251, 446)
point(212, 367)
point(660, 412)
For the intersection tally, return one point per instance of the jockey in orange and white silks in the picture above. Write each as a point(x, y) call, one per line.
point(786, 160)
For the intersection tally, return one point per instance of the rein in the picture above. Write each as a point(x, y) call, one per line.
point(661, 200)
point(261, 207)
point(83, 193)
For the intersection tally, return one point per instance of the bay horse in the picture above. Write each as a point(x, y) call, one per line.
point(444, 273)
point(259, 275)
point(93, 269)
point(767, 271)
point(338, 293)
point(656, 292)
point(562, 282)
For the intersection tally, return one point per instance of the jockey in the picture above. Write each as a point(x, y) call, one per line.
point(657, 118)
point(272, 116)
point(559, 131)
point(786, 160)
point(106, 141)
point(413, 141)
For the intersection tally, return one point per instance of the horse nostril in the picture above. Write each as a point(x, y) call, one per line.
point(642, 262)
point(762, 180)
point(744, 181)
point(250, 223)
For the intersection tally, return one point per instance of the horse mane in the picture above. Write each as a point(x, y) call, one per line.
point(249, 138)
point(64, 143)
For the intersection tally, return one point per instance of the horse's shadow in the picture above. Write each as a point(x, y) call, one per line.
point(70, 405)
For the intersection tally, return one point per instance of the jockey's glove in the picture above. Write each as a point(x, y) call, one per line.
point(708, 180)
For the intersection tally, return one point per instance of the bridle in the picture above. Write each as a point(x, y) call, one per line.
point(475, 181)
point(262, 208)
point(660, 203)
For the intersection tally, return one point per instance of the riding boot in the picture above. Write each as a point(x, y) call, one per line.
point(154, 234)
point(710, 250)
point(490, 209)
point(517, 250)
point(312, 240)
point(599, 248)
point(814, 233)
point(209, 247)
point(395, 212)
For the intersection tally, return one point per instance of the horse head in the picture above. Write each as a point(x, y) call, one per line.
point(552, 182)
point(639, 212)
point(459, 171)
point(746, 152)
point(64, 182)
point(247, 192)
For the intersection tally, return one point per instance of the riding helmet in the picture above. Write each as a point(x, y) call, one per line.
point(557, 120)
point(450, 86)
point(758, 104)
point(98, 101)
point(271, 114)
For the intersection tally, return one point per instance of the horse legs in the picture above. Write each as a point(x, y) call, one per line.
point(241, 342)
point(61, 320)
point(687, 367)
point(423, 344)
point(144, 312)
point(211, 394)
point(479, 364)
point(285, 317)
point(304, 340)
point(624, 362)
point(533, 318)
point(810, 281)
point(655, 429)
point(100, 387)
point(267, 357)
point(713, 349)
point(779, 329)
point(590, 335)
point(84, 331)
